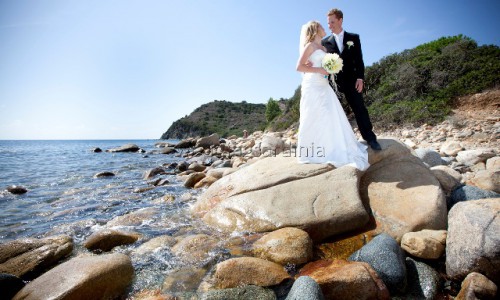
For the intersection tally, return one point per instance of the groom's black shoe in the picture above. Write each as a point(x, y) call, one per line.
point(375, 145)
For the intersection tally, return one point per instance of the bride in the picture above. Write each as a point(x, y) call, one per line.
point(325, 135)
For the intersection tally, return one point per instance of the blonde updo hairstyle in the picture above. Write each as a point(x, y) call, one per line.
point(308, 33)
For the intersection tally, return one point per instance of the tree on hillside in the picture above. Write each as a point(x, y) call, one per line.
point(272, 110)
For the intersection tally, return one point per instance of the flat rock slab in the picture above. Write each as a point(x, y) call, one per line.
point(27, 258)
point(92, 277)
point(278, 192)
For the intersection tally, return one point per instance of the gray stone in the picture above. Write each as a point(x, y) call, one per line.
point(305, 288)
point(468, 192)
point(423, 281)
point(153, 172)
point(385, 256)
point(430, 157)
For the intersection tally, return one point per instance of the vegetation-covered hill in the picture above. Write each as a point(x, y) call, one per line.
point(222, 117)
point(416, 86)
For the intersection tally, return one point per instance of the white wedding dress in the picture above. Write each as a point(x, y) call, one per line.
point(325, 135)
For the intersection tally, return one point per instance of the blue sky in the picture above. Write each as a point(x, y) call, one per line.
point(123, 69)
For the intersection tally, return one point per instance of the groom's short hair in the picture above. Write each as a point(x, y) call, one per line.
point(337, 12)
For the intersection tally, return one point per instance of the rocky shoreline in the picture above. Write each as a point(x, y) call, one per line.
point(420, 223)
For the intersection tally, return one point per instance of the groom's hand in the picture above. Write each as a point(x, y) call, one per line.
point(359, 85)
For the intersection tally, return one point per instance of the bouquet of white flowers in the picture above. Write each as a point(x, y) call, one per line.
point(332, 63)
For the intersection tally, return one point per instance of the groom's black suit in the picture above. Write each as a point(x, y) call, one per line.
point(353, 69)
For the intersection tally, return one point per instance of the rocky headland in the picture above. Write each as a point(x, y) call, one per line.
point(421, 223)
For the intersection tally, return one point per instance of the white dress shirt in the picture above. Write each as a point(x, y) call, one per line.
point(339, 38)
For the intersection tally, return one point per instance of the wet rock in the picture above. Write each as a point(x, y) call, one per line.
point(183, 280)
point(240, 293)
point(402, 193)
point(340, 279)
point(126, 148)
point(10, 285)
point(139, 190)
point(134, 218)
point(196, 167)
point(423, 281)
point(473, 243)
point(96, 150)
point(168, 150)
point(240, 271)
point(27, 258)
point(186, 143)
point(153, 172)
point(427, 244)
point(305, 288)
point(104, 174)
point(195, 248)
point(285, 246)
point(385, 256)
point(107, 239)
point(467, 193)
point(193, 178)
point(477, 286)
point(93, 277)
point(17, 189)
point(160, 242)
point(205, 182)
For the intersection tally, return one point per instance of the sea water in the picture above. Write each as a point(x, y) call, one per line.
point(64, 197)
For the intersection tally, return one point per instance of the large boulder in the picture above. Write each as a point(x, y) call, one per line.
point(27, 258)
point(403, 194)
point(92, 277)
point(473, 241)
point(278, 192)
point(207, 141)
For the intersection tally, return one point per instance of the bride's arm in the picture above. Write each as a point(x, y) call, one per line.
point(302, 63)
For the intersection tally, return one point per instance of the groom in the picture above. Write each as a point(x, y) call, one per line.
point(350, 79)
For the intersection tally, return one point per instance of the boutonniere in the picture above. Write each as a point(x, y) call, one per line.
point(350, 44)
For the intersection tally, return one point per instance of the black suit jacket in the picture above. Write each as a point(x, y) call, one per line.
point(352, 56)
